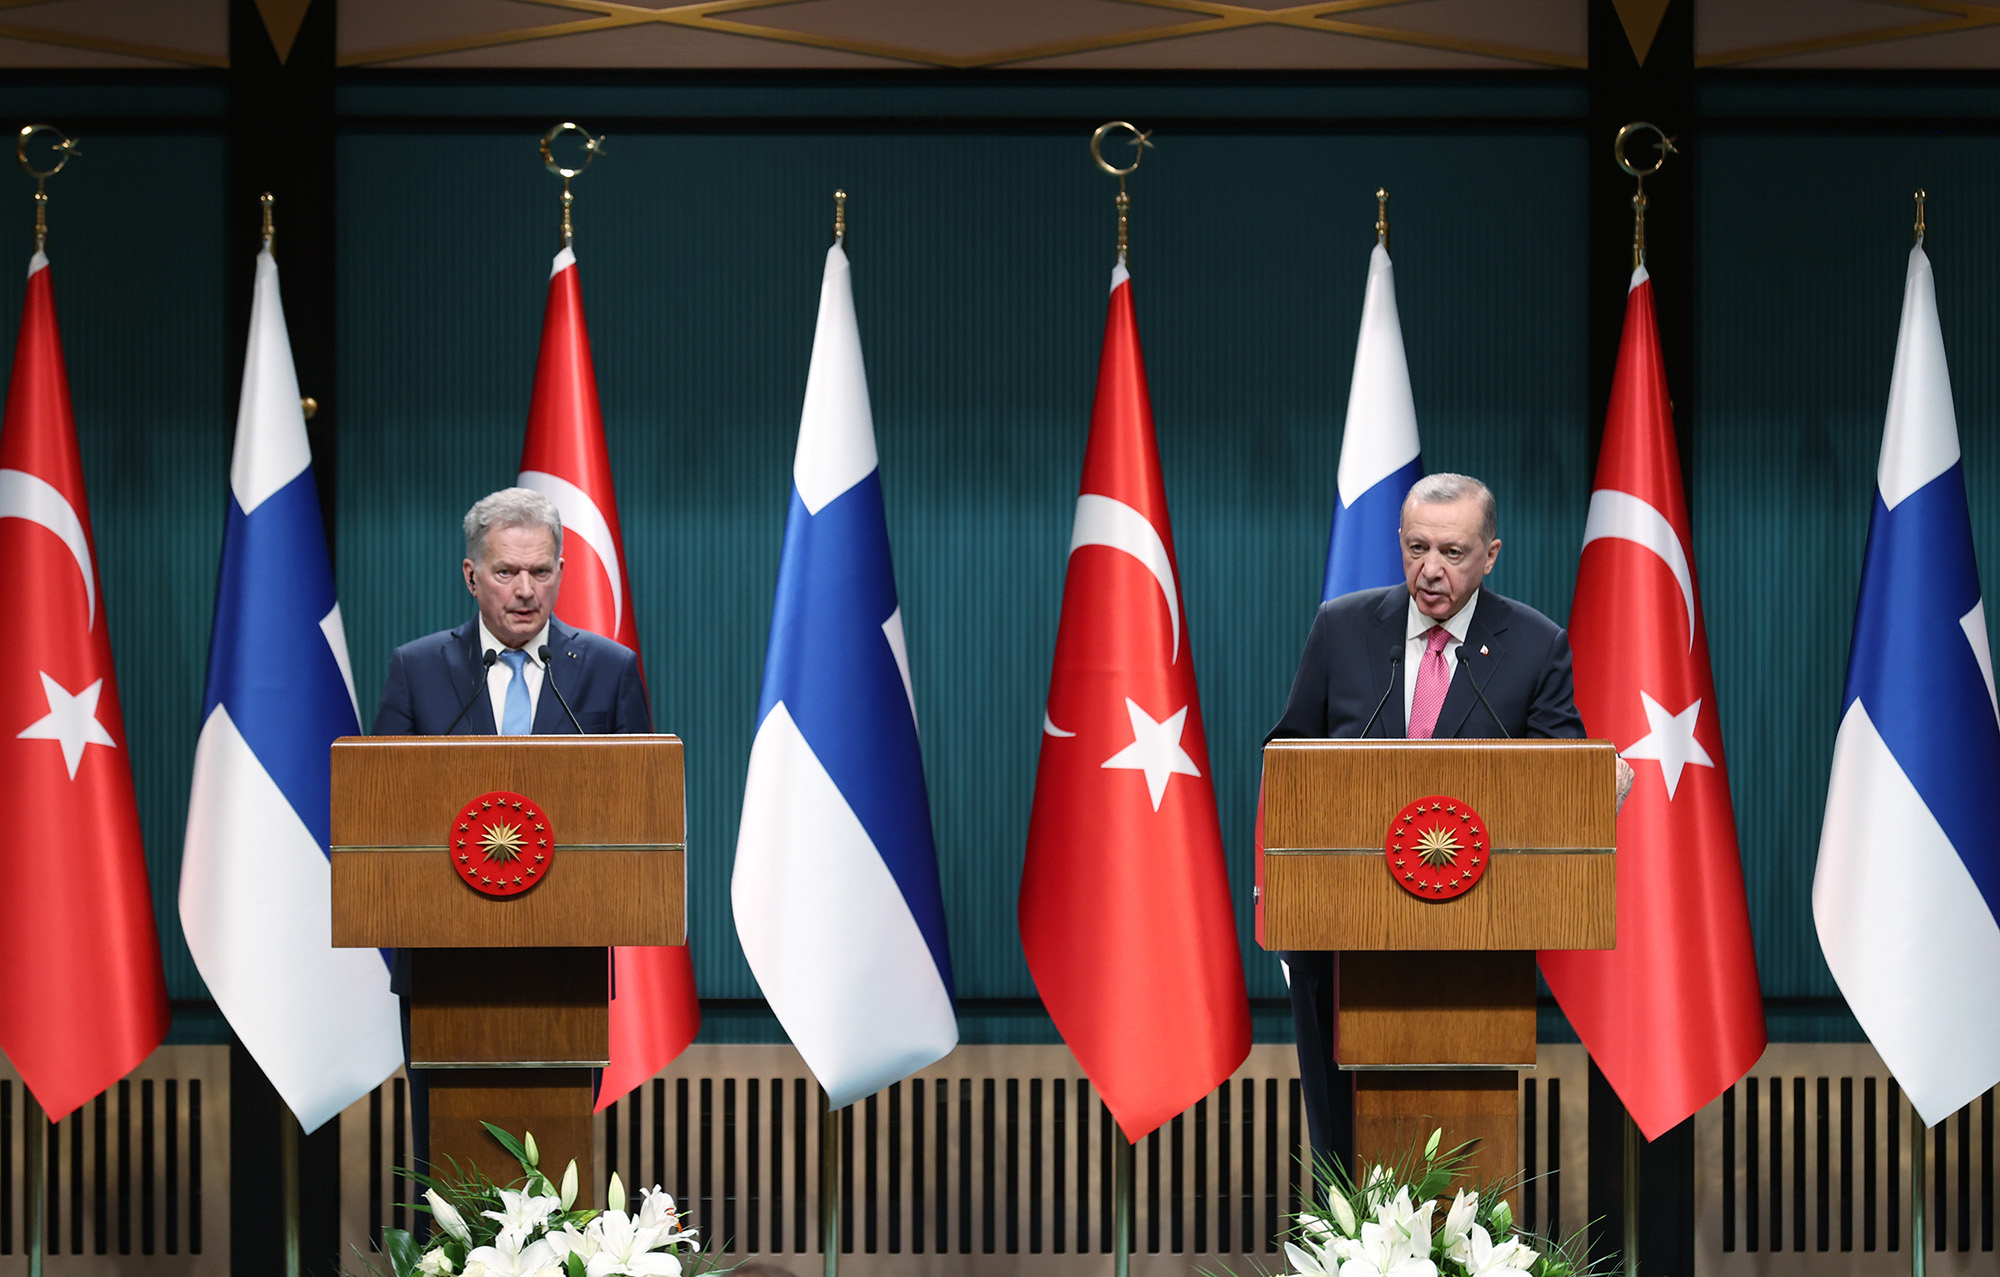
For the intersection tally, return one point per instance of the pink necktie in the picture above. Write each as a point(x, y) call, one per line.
point(1432, 679)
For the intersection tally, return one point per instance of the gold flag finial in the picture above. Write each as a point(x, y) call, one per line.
point(1141, 143)
point(66, 148)
point(593, 146)
point(267, 200)
point(1921, 197)
point(1665, 146)
point(840, 217)
point(1382, 216)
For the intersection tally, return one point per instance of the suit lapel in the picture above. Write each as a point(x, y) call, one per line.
point(1394, 620)
point(563, 656)
point(1484, 649)
point(461, 658)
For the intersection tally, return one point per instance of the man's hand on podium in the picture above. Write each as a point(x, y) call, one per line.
point(1625, 777)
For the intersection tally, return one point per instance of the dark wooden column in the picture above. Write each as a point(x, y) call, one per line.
point(281, 140)
point(1659, 90)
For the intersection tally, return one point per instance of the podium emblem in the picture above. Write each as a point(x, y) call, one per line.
point(501, 844)
point(1438, 848)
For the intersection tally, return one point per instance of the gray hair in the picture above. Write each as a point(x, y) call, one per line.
point(1443, 489)
point(510, 508)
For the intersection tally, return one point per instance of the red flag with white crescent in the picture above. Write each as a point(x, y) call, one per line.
point(1673, 1015)
point(1125, 912)
point(655, 1013)
point(85, 1000)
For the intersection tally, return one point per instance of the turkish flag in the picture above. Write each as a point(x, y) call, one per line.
point(1673, 1015)
point(655, 1013)
point(85, 999)
point(1125, 912)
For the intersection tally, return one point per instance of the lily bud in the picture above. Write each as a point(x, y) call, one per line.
point(569, 1185)
point(447, 1216)
point(535, 1154)
point(1343, 1214)
point(614, 1196)
point(1430, 1148)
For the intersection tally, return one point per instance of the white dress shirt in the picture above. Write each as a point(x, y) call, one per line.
point(1417, 637)
point(502, 674)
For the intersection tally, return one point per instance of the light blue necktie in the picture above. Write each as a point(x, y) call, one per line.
point(519, 719)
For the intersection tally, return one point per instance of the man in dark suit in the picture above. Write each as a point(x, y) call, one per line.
point(1401, 662)
point(513, 569)
point(488, 677)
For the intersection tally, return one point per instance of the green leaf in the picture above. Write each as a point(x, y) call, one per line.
point(402, 1249)
point(511, 1144)
point(576, 1267)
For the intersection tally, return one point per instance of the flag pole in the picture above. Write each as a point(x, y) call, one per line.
point(592, 144)
point(1919, 1163)
point(1382, 216)
point(1121, 1208)
point(34, 1124)
point(1631, 1178)
point(288, 1171)
point(829, 1185)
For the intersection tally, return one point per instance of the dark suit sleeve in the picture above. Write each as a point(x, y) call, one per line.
point(1305, 709)
point(1552, 709)
point(394, 716)
point(632, 713)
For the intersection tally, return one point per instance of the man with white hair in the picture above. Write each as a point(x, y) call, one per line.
point(513, 648)
point(494, 673)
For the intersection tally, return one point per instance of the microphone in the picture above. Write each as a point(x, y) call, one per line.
point(549, 676)
point(1395, 662)
point(485, 666)
point(1505, 734)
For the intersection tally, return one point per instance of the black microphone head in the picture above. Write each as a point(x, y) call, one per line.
point(492, 655)
point(1396, 655)
point(542, 654)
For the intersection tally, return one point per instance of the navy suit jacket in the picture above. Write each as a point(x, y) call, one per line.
point(1520, 657)
point(430, 678)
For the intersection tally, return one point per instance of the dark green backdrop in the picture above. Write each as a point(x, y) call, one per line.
point(981, 259)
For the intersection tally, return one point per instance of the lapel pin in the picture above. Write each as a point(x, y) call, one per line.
point(1482, 650)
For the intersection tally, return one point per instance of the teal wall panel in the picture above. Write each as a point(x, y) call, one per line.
point(980, 266)
point(1804, 243)
point(140, 299)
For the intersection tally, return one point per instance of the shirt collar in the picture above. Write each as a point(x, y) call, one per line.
point(487, 643)
point(1457, 626)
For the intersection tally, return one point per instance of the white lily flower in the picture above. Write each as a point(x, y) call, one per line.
point(1307, 1262)
point(626, 1250)
point(447, 1216)
point(521, 1212)
point(568, 1240)
point(510, 1257)
point(656, 1210)
point(1386, 1250)
point(1487, 1258)
point(1453, 1237)
point(1413, 1222)
point(435, 1264)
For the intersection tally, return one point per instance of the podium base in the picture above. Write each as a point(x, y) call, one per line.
point(553, 1103)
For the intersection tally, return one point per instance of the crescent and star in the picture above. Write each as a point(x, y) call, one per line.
point(1156, 743)
point(71, 720)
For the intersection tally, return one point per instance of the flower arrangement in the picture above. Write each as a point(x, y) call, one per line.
point(1383, 1227)
point(531, 1230)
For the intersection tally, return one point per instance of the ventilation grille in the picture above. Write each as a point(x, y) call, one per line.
point(1804, 1167)
point(995, 1161)
point(138, 1179)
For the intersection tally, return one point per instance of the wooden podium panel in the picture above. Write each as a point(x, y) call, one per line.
point(1550, 808)
point(1436, 997)
point(620, 869)
point(509, 997)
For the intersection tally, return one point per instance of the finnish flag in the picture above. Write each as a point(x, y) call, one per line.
point(1907, 890)
point(256, 883)
point(835, 887)
point(1379, 454)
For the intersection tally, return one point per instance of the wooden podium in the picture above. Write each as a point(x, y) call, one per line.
point(509, 997)
point(1436, 997)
